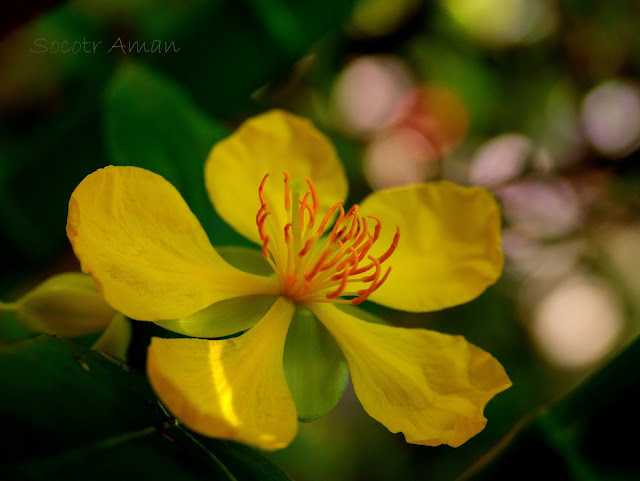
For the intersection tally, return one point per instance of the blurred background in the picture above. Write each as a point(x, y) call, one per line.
point(536, 100)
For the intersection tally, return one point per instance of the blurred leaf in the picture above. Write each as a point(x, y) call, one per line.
point(69, 413)
point(230, 49)
point(151, 123)
point(583, 437)
point(315, 368)
point(50, 130)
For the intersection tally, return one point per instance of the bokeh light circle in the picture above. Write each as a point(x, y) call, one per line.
point(367, 92)
point(611, 117)
point(578, 322)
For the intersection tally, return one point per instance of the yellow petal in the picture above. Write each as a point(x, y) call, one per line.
point(273, 142)
point(449, 249)
point(147, 252)
point(432, 387)
point(232, 388)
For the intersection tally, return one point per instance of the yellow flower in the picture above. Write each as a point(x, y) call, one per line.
point(152, 260)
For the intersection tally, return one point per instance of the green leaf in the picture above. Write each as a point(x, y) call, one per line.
point(70, 413)
point(314, 366)
point(586, 436)
point(151, 123)
point(51, 139)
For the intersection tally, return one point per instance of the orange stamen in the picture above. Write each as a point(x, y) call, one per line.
point(316, 268)
point(378, 227)
point(326, 218)
point(287, 192)
point(265, 251)
point(362, 270)
point(374, 287)
point(392, 247)
point(362, 235)
point(341, 287)
point(335, 260)
point(261, 221)
point(337, 224)
point(354, 222)
point(307, 246)
point(287, 232)
point(363, 294)
point(314, 194)
point(261, 190)
point(362, 252)
point(352, 259)
point(326, 264)
point(304, 205)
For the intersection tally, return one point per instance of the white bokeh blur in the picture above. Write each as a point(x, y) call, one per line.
point(578, 322)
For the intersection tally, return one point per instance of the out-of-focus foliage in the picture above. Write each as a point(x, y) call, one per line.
point(150, 123)
point(77, 415)
point(51, 128)
point(575, 437)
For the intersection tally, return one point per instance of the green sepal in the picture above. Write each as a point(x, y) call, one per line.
point(223, 318)
point(360, 313)
point(231, 316)
point(314, 366)
point(246, 259)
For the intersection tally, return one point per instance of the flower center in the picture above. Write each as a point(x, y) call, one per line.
point(313, 267)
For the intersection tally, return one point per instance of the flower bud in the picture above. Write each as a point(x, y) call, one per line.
point(67, 305)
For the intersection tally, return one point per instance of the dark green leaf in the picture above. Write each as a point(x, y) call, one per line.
point(51, 138)
point(69, 413)
point(151, 123)
point(586, 436)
